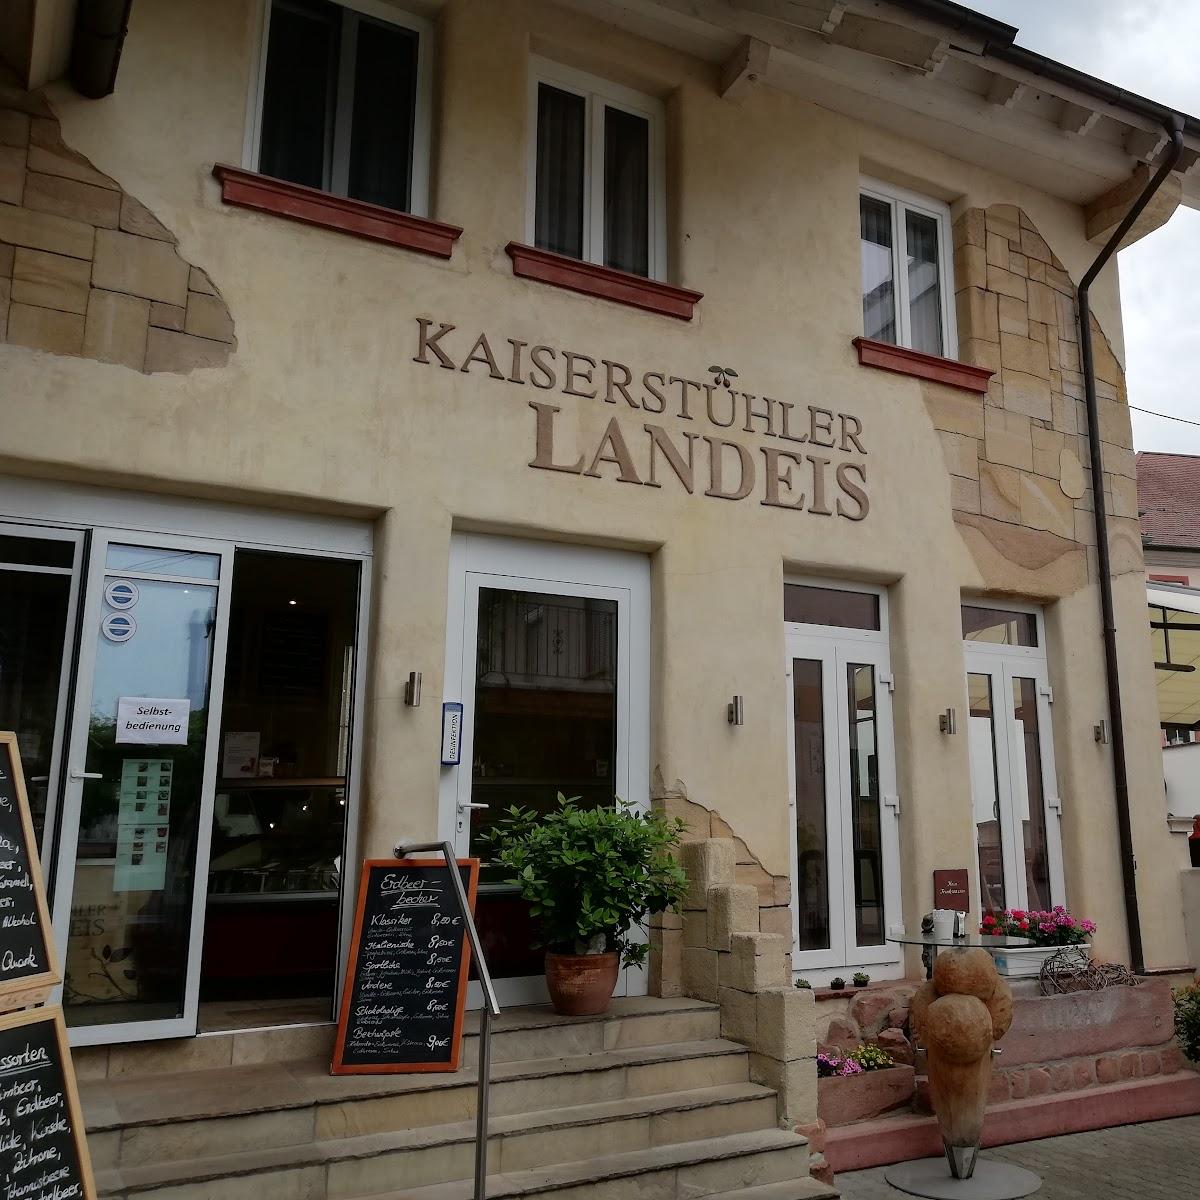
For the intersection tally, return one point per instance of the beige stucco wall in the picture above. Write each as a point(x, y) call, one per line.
point(322, 406)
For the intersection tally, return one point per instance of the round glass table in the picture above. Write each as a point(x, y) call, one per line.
point(932, 944)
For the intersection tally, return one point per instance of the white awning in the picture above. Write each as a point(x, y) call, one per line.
point(1181, 599)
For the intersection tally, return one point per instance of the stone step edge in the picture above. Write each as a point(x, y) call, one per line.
point(519, 1019)
point(141, 1176)
point(374, 1087)
point(790, 1189)
point(886, 1140)
point(610, 1167)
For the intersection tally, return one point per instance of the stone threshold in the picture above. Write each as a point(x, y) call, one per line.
point(887, 1140)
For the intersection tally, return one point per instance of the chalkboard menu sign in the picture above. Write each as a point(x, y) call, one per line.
point(43, 1150)
point(406, 981)
point(28, 970)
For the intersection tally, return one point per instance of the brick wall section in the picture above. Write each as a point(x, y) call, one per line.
point(1018, 457)
point(85, 269)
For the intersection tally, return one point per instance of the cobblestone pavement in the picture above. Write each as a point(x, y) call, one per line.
point(1132, 1162)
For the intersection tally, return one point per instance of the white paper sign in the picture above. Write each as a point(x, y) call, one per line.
point(151, 721)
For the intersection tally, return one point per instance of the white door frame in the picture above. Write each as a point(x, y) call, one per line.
point(75, 570)
point(184, 1025)
point(836, 648)
point(480, 560)
point(1003, 664)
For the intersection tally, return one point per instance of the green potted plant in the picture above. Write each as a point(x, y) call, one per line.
point(837, 983)
point(861, 979)
point(591, 878)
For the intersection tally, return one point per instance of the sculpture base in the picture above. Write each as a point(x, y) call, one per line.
point(991, 1181)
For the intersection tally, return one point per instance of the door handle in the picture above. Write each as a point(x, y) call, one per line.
point(86, 775)
point(464, 807)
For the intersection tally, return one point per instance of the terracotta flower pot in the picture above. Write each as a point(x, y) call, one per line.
point(581, 985)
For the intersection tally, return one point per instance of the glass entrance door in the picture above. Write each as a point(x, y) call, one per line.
point(842, 777)
point(138, 803)
point(1014, 790)
point(548, 654)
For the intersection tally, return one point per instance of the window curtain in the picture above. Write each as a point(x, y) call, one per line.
point(878, 284)
point(626, 192)
point(924, 283)
point(385, 101)
point(561, 139)
point(298, 97)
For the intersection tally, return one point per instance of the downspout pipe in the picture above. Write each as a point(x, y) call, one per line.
point(1174, 126)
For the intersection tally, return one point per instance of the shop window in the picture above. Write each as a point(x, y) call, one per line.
point(906, 274)
point(344, 101)
point(597, 172)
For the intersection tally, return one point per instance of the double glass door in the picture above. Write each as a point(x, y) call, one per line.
point(842, 777)
point(1014, 790)
point(548, 652)
point(132, 866)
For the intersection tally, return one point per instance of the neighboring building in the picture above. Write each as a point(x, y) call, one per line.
point(599, 362)
point(1169, 506)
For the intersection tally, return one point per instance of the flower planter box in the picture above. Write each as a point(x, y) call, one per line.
point(1025, 962)
point(844, 1099)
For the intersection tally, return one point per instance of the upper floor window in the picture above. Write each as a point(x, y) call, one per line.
point(596, 174)
point(343, 102)
point(906, 275)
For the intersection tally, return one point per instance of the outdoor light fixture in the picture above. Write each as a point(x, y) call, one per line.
point(734, 712)
point(948, 721)
point(412, 689)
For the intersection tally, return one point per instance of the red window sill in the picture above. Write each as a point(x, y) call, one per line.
point(594, 280)
point(924, 366)
point(248, 189)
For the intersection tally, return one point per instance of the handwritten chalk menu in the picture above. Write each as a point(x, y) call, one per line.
point(43, 1150)
point(28, 968)
point(406, 980)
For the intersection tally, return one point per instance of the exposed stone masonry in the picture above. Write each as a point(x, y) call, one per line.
point(85, 269)
point(1018, 460)
point(729, 960)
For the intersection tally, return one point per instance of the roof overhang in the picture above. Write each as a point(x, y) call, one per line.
point(943, 75)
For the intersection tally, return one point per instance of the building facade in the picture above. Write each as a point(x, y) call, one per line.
point(410, 408)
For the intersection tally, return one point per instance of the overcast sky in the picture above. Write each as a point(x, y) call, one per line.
point(1151, 47)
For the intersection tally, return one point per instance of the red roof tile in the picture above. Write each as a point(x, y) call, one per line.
point(1169, 499)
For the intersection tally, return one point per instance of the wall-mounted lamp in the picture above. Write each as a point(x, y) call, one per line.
point(948, 721)
point(734, 712)
point(1101, 732)
point(412, 689)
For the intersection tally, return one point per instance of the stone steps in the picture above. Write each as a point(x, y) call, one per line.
point(364, 1164)
point(193, 1114)
point(647, 1101)
point(738, 1165)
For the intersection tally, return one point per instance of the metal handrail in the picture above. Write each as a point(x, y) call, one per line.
point(490, 1009)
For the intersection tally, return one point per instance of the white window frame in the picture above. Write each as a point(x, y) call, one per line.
point(898, 201)
point(837, 646)
point(600, 94)
point(1005, 663)
point(340, 166)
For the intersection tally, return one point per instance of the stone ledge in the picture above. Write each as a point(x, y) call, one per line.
point(311, 206)
point(900, 1138)
point(903, 361)
point(591, 279)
